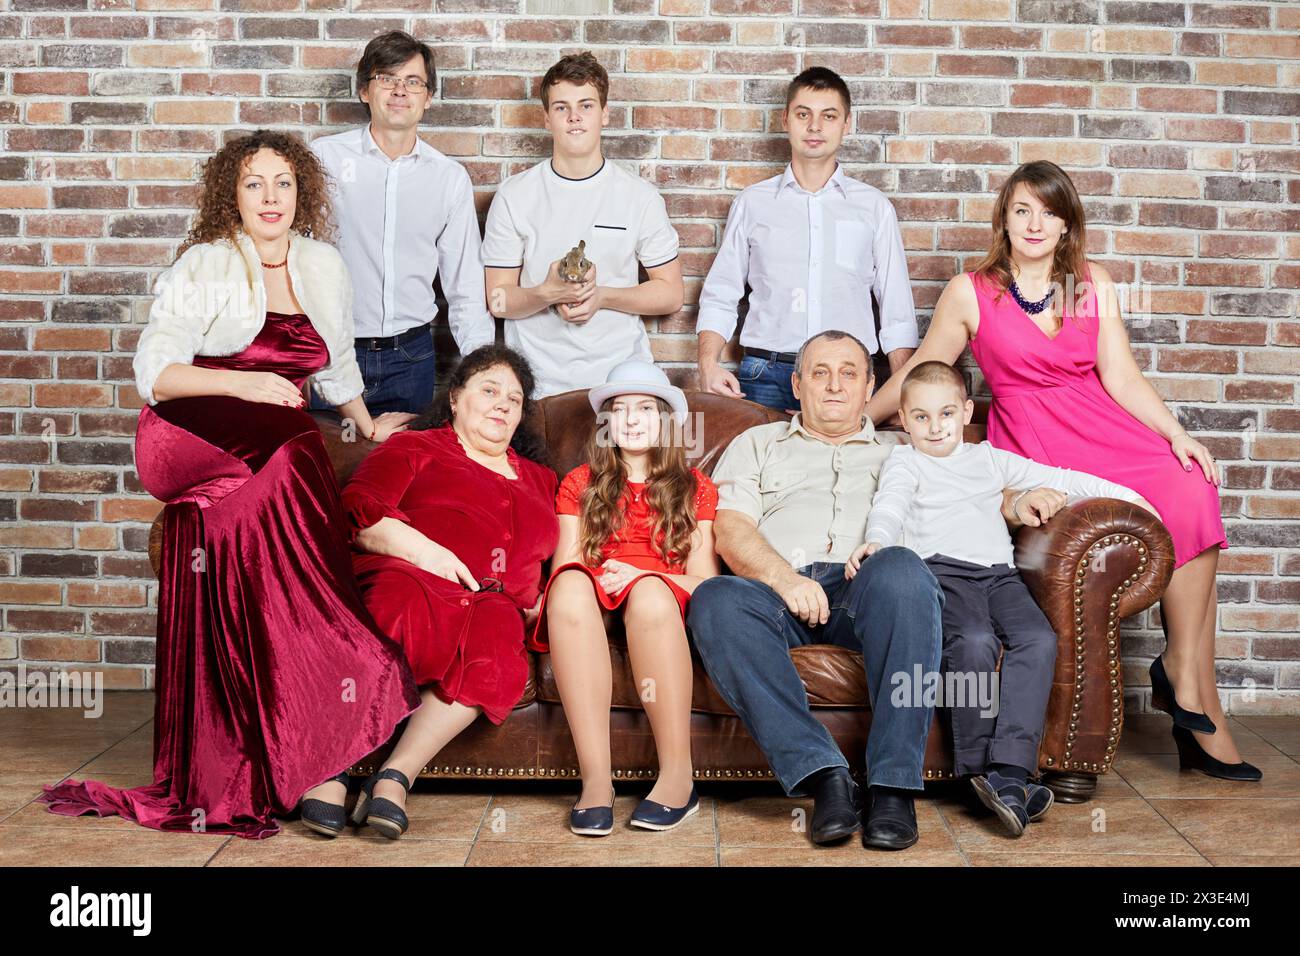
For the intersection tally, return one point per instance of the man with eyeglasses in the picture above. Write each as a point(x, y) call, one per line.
point(405, 213)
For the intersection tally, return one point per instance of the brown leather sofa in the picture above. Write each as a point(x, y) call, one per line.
point(1095, 563)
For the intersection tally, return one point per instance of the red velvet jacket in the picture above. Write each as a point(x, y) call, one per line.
point(500, 528)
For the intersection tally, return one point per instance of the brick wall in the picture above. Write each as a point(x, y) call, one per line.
point(1177, 121)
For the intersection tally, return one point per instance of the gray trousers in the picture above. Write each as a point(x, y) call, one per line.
point(989, 611)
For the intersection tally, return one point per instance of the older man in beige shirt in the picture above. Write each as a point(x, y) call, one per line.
point(793, 504)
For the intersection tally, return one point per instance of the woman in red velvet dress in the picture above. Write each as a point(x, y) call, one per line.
point(451, 524)
point(271, 679)
point(636, 537)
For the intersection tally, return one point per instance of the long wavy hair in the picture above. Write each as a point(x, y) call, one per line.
point(218, 215)
point(526, 441)
point(670, 492)
point(1052, 186)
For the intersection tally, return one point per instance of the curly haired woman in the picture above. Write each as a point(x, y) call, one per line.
point(271, 674)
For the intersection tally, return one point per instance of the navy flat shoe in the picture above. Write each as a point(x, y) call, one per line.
point(593, 821)
point(1006, 798)
point(649, 815)
point(1038, 801)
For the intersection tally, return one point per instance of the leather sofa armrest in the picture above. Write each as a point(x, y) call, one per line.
point(1096, 562)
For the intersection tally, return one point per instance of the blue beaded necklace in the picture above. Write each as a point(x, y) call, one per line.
point(1033, 308)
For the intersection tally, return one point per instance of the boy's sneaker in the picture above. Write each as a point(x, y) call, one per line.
point(1005, 797)
point(1038, 801)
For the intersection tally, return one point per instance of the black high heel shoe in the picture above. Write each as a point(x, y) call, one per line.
point(1191, 756)
point(382, 814)
point(1162, 698)
point(327, 819)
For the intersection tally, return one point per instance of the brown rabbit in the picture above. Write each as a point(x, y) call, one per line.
point(574, 265)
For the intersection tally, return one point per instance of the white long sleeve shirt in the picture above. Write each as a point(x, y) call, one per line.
point(953, 505)
point(812, 261)
point(401, 222)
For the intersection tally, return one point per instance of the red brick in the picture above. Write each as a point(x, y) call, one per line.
point(23, 592)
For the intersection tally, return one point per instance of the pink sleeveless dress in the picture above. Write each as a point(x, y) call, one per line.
point(1049, 405)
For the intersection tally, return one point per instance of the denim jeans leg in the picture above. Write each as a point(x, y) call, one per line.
point(891, 611)
point(404, 377)
point(744, 632)
point(767, 383)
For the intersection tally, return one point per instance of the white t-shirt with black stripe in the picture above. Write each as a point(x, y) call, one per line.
point(536, 217)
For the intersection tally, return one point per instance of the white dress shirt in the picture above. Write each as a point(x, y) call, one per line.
point(953, 505)
point(812, 261)
point(537, 216)
point(400, 222)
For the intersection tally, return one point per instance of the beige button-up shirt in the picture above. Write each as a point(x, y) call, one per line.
point(810, 498)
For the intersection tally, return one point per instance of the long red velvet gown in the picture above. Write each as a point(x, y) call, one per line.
point(271, 674)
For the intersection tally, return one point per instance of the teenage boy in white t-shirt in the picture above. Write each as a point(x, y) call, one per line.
point(573, 333)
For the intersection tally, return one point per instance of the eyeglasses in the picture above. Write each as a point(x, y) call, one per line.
point(491, 584)
point(413, 84)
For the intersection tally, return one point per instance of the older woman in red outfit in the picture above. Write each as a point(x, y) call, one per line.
point(452, 523)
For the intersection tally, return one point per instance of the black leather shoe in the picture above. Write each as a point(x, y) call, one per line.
point(1191, 756)
point(327, 819)
point(891, 819)
point(835, 806)
point(1162, 698)
point(382, 814)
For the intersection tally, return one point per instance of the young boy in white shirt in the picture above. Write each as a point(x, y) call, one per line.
point(573, 333)
point(943, 498)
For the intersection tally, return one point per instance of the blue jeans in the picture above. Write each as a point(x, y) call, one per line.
point(891, 612)
point(767, 382)
point(397, 380)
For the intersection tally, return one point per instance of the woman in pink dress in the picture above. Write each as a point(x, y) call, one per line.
point(1045, 327)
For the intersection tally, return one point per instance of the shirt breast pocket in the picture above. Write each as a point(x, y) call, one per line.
point(612, 249)
point(853, 245)
point(776, 487)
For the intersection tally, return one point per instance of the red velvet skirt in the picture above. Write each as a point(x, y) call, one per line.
point(465, 646)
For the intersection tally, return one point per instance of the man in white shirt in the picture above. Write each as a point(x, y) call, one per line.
point(813, 245)
point(405, 213)
point(573, 333)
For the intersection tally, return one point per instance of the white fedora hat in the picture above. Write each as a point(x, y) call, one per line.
point(638, 377)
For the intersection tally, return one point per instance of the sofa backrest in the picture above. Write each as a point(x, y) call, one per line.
point(565, 421)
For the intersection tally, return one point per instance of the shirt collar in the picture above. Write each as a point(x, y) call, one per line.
point(838, 180)
point(867, 433)
point(369, 146)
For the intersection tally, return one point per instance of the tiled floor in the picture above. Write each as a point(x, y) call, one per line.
point(1145, 813)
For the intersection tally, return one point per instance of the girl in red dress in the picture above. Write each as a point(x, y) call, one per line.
point(636, 537)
